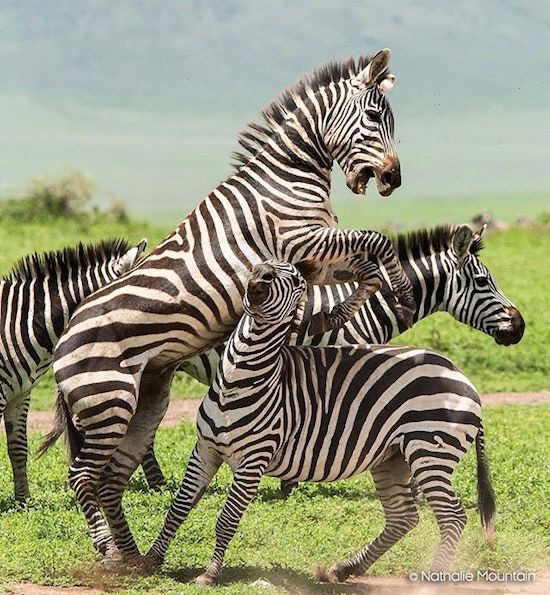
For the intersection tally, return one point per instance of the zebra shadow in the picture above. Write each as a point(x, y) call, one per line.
point(289, 581)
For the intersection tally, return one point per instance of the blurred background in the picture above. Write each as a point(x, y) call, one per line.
point(146, 98)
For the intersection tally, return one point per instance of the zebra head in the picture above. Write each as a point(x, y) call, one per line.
point(274, 291)
point(359, 128)
point(476, 298)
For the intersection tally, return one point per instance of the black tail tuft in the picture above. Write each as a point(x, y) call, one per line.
point(486, 500)
point(63, 422)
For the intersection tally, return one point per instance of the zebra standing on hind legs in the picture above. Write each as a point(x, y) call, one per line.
point(329, 413)
point(115, 361)
point(36, 300)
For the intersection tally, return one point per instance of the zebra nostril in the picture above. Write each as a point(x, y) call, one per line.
point(267, 277)
point(387, 177)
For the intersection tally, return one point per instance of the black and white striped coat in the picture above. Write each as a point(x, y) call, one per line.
point(328, 413)
point(446, 275)
point(115, 361)
point(36, 300)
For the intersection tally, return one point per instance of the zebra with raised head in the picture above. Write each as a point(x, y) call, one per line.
point(446, 275)
point(37, 298)
point(115, 362)
point(329, 413)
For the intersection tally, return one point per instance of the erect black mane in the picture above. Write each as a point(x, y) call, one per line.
point(430, 241)
point(39, 266)
point(255, 136)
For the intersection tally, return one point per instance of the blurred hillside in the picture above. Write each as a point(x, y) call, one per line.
point(148, 97)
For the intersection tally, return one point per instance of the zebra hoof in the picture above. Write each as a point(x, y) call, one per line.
point(287, 487)
point(149, 563)
point(113, 559)
point(336, 574)
point(406, 315)
point(206, 580)
point(319, 324)
point(157, 486)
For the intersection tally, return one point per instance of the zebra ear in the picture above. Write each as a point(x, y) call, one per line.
point(127, 261)
point(462, 240)
point(373, 71)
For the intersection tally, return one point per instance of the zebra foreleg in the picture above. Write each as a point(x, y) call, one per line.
point(369, 279)
point(392, 479)
point(15, 421)
point(151, 469)
point(243, 488)
point(203, 465)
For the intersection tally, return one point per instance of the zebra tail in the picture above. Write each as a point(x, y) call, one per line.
point(486, 500)
point(63, 422)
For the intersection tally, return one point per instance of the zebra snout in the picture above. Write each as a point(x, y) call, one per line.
point(389, 177)
point(512, 335)
point(258, 285)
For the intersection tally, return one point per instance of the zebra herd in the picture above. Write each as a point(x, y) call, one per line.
point(296, 392)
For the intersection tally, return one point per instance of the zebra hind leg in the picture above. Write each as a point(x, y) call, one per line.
point(433, 475)
point(392, 479)
point(152, 405)
point(15, 421)
point(243, 488)
point(151, 469)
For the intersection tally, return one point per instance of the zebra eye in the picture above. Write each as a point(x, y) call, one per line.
point(374, 116)
point(482, 281)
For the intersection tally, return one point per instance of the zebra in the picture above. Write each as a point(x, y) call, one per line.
point(37, 298)
point(115, 361)
point(446, 275)
point(329, 413)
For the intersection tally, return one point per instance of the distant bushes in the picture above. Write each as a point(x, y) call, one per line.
point(68, 196)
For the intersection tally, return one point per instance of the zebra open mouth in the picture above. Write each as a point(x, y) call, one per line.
point(358, 183)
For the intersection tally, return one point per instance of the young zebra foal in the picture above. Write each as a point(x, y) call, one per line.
point(328, 413)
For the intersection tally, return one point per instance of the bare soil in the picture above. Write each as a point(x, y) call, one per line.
point(186, 409)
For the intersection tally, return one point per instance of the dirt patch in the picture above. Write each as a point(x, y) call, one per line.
point(186, 409)
point(373, 585)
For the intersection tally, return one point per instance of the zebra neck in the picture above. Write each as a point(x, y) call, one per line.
point(252, 357)
point(429, 279)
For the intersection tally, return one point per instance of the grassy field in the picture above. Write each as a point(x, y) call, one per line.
point(514, 256)
point(46, 542)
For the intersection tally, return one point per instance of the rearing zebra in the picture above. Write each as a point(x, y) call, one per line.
point(328, 413)
point(36, 300)
point(114, 363)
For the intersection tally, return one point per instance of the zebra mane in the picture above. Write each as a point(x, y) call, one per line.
point(429, 241)
point(255, 136)
point(39, 266)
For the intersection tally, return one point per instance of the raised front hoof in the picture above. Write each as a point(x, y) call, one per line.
point(319, 324)
point(406, 315)
point(206, 580)
point(336, 574)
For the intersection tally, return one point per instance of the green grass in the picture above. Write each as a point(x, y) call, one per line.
point(515, 257)
point(47, 542)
